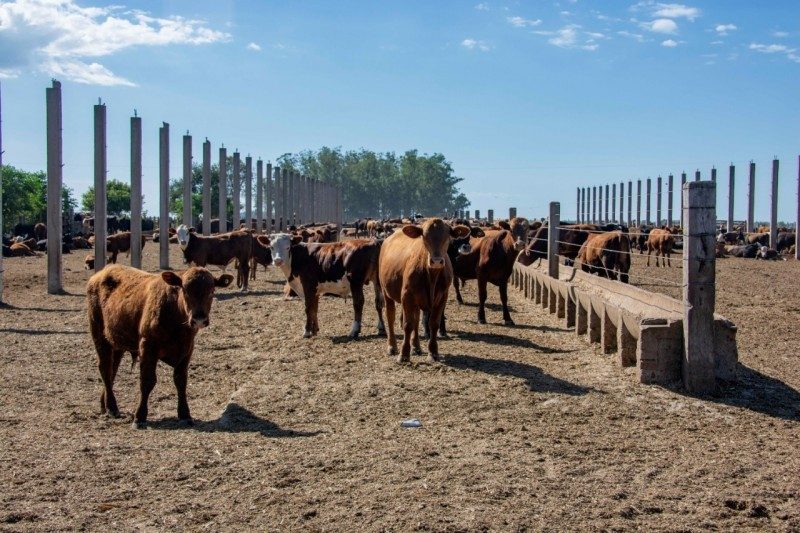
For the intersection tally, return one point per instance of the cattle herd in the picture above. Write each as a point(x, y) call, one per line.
point(411, 264)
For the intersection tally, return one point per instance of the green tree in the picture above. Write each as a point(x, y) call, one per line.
point(118, 195)
point(25, 197)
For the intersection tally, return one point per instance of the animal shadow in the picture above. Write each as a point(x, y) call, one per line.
point(760, 393)
point(504, 340)
point(235, 419)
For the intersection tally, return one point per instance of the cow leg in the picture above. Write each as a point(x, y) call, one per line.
point(669, 262)
point(459, 299)
point(503, 288)
point(408, 330)
point(648, 257)
point(147, 381)
point(482, 300)
point(180, 376)
point(390, 316)
point(379, 309)
point(107, 363)
point(434, 319)
point(253, 268)
point(310, 297)
point(415, 331)
point(357, 290)
point(244, 271)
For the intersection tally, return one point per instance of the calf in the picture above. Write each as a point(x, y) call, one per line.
point(341, 269)
point(218, 250)
point(19, 249)
point(607, 254)
point(661, 242)
point(153, 317)
point(262, 254)
point(768, 254)
point(415, 271)
point(120, 242)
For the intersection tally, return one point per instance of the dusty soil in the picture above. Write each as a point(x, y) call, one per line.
point(525, 428)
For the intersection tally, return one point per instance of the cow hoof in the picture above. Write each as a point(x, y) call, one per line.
point(187, 422)
point(509, 322)
point(391, 350)
point(417, 351)
point(307, 335)
point(353, 336)
point(112, 414)
point(434, 358)
point(443, 335)
point(481, 321)
point(381, 332)
point(401, 360)
point(139, 425)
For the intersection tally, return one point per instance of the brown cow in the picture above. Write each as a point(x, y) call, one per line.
point(262, 255)
point(341, 269)
point(490, 259)
point(120, 242)
point(153, 317)
point(606, 254)
point(218, 250)
point(570, 239)
point(20, 249)
point(415, 271)
point(374, 227)
point(661, 242)
point(80, 243)
point(40, 231)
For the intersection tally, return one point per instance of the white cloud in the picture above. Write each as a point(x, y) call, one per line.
point(566, 13)
point(674, 11)
point(254, 47)
point(567, 37)
point(474, 44)
point(669, 43)
point(8, 73)
point(717, 42)
point(55, 35)
point(661, 26)
point(780, 34)
point(596, 35)
point(723, 29)
point(482, 7)
point(638, 37)
point(790, 53)
point(520, 22)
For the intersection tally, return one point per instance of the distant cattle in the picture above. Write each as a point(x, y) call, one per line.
point(24, 230)
point(340, 269)
point(262, 254)
point(120, 242)
point(415, 272)
point(112, 224)
point(19, 249)
point(748, 251)
point(785, 241)
point(570, 239)
point(218, 250)
point(80, 243)
point(730, 237)
point(374, 227)
point(154, 317)
point(661, 242)
point(607, 254)
point(767, 254)
point(762, 239)
point(40, 231)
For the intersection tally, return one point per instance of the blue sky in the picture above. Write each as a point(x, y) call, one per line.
point(528, 100)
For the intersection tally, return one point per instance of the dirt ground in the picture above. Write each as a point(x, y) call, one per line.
point(524, 428)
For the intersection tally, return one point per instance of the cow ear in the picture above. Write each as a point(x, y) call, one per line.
point(414, 232)
point(459, 231)
point(503, 224)
point(476, 232)
point(297, 239)
point(192, 230)
point(223, 281)
point(171, 278)
point(263, 240)
point(306, 233)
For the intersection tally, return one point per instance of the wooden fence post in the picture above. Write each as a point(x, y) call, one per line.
point(731, 189)
point(248, 192)
point(751, 198)
point(773, 212)
point(100, 197)
point(259, 196)
point(136, 192)
point(54, 177)
point(187, 180)
point(699, 278)
point(163, 200)
point(552, 239)
point(670, 194)
point(222, 210)
point(206, 187)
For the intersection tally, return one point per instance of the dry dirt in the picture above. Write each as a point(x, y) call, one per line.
point(525, 428)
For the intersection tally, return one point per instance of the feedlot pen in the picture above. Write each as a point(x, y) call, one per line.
point(522, 428)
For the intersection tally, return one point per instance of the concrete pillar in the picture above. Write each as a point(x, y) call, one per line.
point(490, 215)
point(477, 214)
point(630, 203)
point(581, 318)
point(268, 198)
point(248, 192)
point(100, 196)
point(259, 196)
point(187, 180)
point(731, 190)
point(638, 202)
point(751, 198)
point(561, 305)
point(594, 327)
point(594, 205)
point(605, 210)
point(713, 174)
point(163, 199)
point(773, 211)
point(683, 182)
point(699, 277)
point(613, 203)
point(136, 192)
point(276, 198)
point(626, 345)
point(222, 210)
point(512, 213)
point(647, 203)
point(608, 333)
point(621, 202)
point(237, 190)
point(569, 321)
point(670, 194)
point(658, 201)
point(697, 176)
point(54, 180)
point(206, 188)
point(600, 218)
point(285, 208)
point(552, 239)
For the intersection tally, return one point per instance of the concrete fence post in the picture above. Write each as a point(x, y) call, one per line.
point(630, 202)
point(268, 198)
point(259, 196)
point(206, 187)
point(276, 198)
point(605, 210)
point(248, 192)
point(731, 189)
point(163, 199)
point(773, 211)
point(222, 211)
point(638, 202)
point(621, 202)
point(658, 201)
point(490, 216)
point(600, 219)
point(477, 214)
point(699, 277)
point(647, 204)
point(594, 205)
point(136, 192)
point(714, 174)
point(54, 180)
point(683, 182)
point(670, 195)
point(552, 239)
point(100, 197)
point(187, 180)
point(284, 195)
point(613, 202)
point(751, 199)
point(512, 213)
point(697, 176)
point(578, 208)
point(237, 190)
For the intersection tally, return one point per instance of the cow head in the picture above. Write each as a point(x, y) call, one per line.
point(183, 236)
point(519, 227)
point(436, 235)
point(197, 292)
point(281, 245)
point(461, 245)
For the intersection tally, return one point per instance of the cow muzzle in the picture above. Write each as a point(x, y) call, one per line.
point(199, 322)
point(519, 245)
point(437, 263)
point(278, 261)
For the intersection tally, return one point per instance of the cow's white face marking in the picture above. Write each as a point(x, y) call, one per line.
point(281, 245)
point(338, 288)
point(183, 236)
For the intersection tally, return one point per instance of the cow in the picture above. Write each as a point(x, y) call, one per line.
point(30, 243)
point(360, 226)
point(606, 254)
point(748, 251)
point(730, 237)
point(720, 251)
point(638, 237)
point(415, 272)
point(570, 239)
point(120, 242)
point(24, 230)
point(321, 234)
point(262, 254)
point(762, 239)
point(80, 243)
point(785, 241)
point(341, 269)
point(488, 258)
point(112, 224)
point(767, 254)
point(519, 227)
point(218, 250)
point(19, 249)
point(154, 317)
point(661, 242)
point(40, 231)
point(374, 227)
